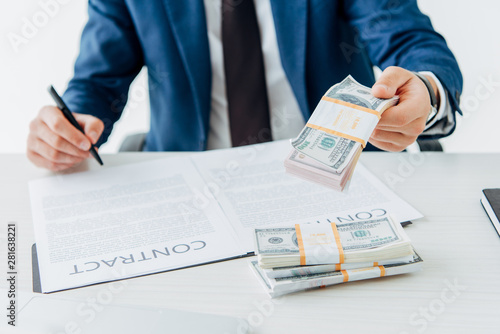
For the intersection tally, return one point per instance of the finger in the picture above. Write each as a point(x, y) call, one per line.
point(393, 140)
point(40, 161)
point(389, 136)
point(391, 147)
point(51, 154)
point(56, 122)
point(92, 126)
point(406, 112)
point(389, 82)
point(58, 142)
point(415, 128)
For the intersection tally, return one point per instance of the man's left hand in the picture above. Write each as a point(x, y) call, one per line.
point(400, 125)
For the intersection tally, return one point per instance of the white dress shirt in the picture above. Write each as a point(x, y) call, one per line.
point(286, 118)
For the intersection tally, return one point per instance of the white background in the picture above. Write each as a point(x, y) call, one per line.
point(46, 57)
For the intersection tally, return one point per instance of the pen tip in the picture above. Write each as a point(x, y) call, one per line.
point(96, 156)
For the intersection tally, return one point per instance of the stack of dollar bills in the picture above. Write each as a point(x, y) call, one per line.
point(328, 148)
point(313, 255)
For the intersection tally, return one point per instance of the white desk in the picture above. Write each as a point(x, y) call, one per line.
point(455, 239)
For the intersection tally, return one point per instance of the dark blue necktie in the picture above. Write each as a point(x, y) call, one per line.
point(245, 76)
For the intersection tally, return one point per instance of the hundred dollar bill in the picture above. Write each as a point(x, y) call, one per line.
point(361, 241)
point(333, 150)
point(326, 268)
point(349, 90)
point(306, 162)
point(309, 169)
point(283, 285)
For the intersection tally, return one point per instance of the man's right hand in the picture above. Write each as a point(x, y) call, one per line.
point(55, 144)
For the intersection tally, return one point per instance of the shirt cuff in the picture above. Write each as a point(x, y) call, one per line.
point(444, 104)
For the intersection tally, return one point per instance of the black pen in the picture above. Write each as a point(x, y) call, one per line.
point(69, 116)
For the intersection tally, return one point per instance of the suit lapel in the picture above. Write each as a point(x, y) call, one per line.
point(188, 21)
point(291, 20)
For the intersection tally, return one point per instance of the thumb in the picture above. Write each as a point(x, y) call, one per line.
point(389, 82)
point(92, 126)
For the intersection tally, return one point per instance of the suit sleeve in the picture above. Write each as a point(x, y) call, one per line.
point(110, 58)
point(397, 33)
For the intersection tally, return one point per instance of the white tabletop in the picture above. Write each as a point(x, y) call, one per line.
point(457, 292)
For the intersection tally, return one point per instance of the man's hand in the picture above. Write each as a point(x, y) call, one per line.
point(55, 144)
point(402, 124)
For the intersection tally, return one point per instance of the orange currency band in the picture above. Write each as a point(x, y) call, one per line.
point(352, 105)
point(338, 267)
point(382, 271)
point(346, 276)
point(336, 133)
point(339, 244)
point(301, 245)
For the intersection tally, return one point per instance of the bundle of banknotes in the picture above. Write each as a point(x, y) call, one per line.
point(306, 256)
point(328, 148)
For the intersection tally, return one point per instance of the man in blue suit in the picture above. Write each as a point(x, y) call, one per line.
point(307, 46)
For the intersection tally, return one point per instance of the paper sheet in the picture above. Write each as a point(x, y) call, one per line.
point(126, 221)
point(253, 189)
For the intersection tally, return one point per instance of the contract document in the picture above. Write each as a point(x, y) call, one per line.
point(172, 213)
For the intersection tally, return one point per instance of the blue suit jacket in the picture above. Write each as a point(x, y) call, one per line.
point(320, 42)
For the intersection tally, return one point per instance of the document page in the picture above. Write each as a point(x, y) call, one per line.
point(126, 221)
point(253, 189)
